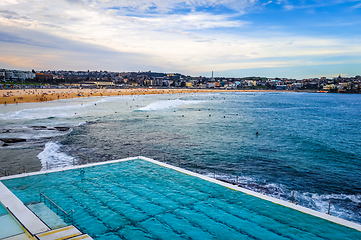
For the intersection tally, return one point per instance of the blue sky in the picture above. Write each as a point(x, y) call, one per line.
point(275, 38)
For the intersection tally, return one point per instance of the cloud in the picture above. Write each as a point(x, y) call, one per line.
point(295, 5)
point(8, 14)
point(186, 22)
point(298, 72)
point(9, 2)
point(18, 61)
point(44, 51)
point(357, 6)
point(178, 36)
point(164, 6)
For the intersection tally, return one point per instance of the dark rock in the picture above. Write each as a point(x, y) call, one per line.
point(62, 129)
point(12, 140)
point(38, 127)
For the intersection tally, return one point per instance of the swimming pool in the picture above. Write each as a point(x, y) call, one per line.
point(8, 225)
point(137, 199)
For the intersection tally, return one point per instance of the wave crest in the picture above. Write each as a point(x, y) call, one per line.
point(168, 104)
point(52, 157)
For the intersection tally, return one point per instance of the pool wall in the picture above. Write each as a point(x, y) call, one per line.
point(17, 207)
point(27, 218)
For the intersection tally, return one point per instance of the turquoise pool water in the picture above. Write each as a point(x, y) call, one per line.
point(140, 200)
point(8, 225)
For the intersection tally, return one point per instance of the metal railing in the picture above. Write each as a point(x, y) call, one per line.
point(5, 172)
point(67, 216)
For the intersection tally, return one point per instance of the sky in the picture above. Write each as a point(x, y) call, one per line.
point(233, 38)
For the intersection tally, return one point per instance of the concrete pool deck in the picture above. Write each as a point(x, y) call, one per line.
point(33, 227)
point(26, 217)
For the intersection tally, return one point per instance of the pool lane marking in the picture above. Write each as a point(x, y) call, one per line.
point(305, 210)
point(283, 203)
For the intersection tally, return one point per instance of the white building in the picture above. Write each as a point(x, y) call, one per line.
point(297, 85)
point(16, 74)
point(210, 85)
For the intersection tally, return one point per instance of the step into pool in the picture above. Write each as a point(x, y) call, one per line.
point(137, 199)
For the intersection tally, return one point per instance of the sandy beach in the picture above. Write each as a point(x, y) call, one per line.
point(16, 96)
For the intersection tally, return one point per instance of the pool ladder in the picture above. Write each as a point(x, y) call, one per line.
point(68, 216)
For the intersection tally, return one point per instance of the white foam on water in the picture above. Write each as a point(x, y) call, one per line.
point(52, 157)
point(80, 124)
point(315, 201)
point(46, 112)
point(167, 104)
point(32, 134)
point(243, 180)
point(319, 202)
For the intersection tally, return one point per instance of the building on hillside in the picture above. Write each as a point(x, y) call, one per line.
point(102, 84)
point(296, 85)
point(210, 85)
point(11, 75)
point(158, 81)
point(166, 83)
point(189, 85)
point(281, 87)
point(42, 77)
point(23, 75)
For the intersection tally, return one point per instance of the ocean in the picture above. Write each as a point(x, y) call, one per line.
point(308, 144)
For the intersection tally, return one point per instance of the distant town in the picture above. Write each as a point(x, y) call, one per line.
point(106, 79)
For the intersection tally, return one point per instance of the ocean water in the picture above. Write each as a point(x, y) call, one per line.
point(308, 143)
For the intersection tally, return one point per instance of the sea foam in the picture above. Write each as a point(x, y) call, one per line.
point(46, 112)
point(168, 104)
point(315, 201)
point(319, 202)
point(52, 157)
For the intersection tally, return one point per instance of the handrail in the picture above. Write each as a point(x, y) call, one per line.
point(52, 203)
point(6, 173)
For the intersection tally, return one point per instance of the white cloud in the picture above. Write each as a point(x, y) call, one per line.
point(169, 5)
point(178, 41)
point(357, 6)
point(291, 5)
point(186, 22)
point(9, 2)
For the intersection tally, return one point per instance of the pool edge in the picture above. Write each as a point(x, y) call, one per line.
point(305, 210)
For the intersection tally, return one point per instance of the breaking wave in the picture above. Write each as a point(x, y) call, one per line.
point(342, 205)
point(46, 112)
point(52, 157)
point(168, 104)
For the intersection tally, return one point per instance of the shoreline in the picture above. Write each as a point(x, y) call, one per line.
point(16, 96)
